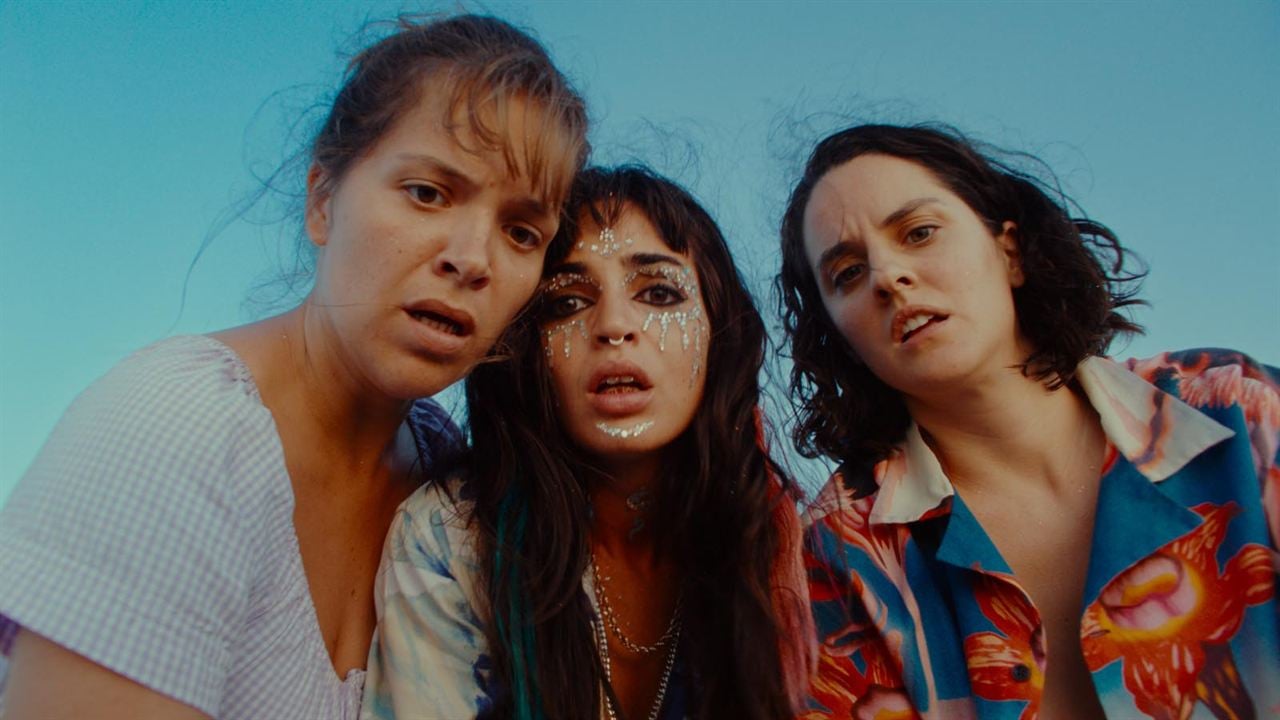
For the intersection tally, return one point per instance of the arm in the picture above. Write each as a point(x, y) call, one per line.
point(50, 682)
point(428, 658)
point(129, 546)
point(857, 673)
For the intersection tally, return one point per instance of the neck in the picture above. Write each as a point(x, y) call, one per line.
point(623, 499)
point(1010, 429)
point(311, 386)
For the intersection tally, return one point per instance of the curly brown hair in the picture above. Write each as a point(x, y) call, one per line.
point(1077, 276)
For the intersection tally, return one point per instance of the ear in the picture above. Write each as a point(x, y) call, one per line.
point(1008, 242)
point(319, 193)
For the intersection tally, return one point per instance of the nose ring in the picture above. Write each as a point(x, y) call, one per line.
point(617, 342)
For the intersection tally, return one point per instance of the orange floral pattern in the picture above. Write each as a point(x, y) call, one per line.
point(919, 617)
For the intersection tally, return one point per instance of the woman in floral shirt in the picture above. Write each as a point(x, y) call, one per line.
point(1019, 527)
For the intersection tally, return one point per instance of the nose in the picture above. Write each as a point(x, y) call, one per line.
point(614, 324)
point(891, 279)
point(464, 256)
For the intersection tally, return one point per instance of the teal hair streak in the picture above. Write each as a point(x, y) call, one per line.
point(524, 690)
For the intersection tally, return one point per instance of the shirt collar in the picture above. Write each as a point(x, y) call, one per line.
point(1155, 431)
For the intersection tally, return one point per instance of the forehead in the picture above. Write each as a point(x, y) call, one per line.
point(492, 141)
point(862, 193)
point(616, 245)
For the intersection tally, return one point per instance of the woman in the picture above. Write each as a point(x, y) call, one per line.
point(199, 536)
point(622, 544)
point(1020, 527)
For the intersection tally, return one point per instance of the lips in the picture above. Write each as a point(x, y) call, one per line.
point(914, 319)
point(441, 329)
point(443, 317)
point(619, 388)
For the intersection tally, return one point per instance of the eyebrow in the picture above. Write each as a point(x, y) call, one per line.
point(531, 207)
point(639, 260)
point(846, 246)
point(569, 268)
point(907, 208)
point(525, 207)
point(451, 173)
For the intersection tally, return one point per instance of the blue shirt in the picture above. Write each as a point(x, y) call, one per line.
point(920, 616)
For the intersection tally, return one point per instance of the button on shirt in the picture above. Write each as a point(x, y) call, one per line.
point(919, 615)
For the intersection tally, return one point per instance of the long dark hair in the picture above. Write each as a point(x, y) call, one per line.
point(1076, 279)
point(717, 503)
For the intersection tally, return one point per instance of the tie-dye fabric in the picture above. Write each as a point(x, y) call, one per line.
point(430, 656)
point(919, 615)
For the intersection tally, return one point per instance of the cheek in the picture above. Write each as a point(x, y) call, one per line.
point(852, 322)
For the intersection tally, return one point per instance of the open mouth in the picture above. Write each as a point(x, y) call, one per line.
point(619, 384)
point(438, 322)
point(908, 325)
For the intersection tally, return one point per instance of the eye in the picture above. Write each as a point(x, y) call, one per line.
point(842, 275)
point(920, 235)
point(525, 237)
point(562, 306)
point(661, 294)
point(426, 194)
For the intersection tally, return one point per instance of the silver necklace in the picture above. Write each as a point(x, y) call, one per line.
point(610, 617)
point(602, 643)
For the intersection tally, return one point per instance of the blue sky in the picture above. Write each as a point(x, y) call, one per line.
point(128, 128)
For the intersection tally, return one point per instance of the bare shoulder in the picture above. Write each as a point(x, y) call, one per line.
point(48, 681)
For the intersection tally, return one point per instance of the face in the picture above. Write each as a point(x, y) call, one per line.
point(427, 249)
point(912, 277)
point(625, 334)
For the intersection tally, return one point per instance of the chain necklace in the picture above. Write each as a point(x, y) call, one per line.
point(611, 618)
point(602, 642)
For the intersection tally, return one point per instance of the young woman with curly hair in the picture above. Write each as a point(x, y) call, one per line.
point(1019, 526)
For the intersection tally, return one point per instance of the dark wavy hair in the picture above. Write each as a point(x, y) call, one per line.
point(713, 508)
point(1076, 279)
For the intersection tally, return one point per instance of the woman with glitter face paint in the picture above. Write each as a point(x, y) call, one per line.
point(619, 542)
point(1019, 527)
point(200, 534)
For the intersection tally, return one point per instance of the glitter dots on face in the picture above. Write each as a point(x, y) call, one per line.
point(625, 335)
point(608, 245)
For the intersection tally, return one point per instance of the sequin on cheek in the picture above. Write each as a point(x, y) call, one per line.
point(566, 329)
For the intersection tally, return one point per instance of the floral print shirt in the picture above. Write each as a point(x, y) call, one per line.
point(920, 617)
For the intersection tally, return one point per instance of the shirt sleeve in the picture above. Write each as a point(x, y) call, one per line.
point(858, 673)
point(1216, 378)
point(130, 540)
point(1259, 397)
point(428, 658)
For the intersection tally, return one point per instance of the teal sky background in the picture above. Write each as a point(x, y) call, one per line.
point(128, 128)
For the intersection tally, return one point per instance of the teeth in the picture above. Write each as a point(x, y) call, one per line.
point(915, 323)
point(439, 323)
point(619, 380)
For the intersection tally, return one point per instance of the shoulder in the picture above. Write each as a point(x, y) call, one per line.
point(433, 530)
point(174, 426)
point(137, 530)
point(439, 441)
point(1213, 378)
point(182, 397)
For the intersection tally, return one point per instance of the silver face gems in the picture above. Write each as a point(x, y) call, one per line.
point(681, 277)
point(624, 433)
point(691, 326)
point(566, 329)
point(608, 244)
point(561, 281)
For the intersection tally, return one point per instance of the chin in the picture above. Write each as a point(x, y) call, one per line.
point(422, 380)
point(625, 438)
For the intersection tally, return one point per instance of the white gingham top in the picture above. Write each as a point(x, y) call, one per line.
point(154, 536)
